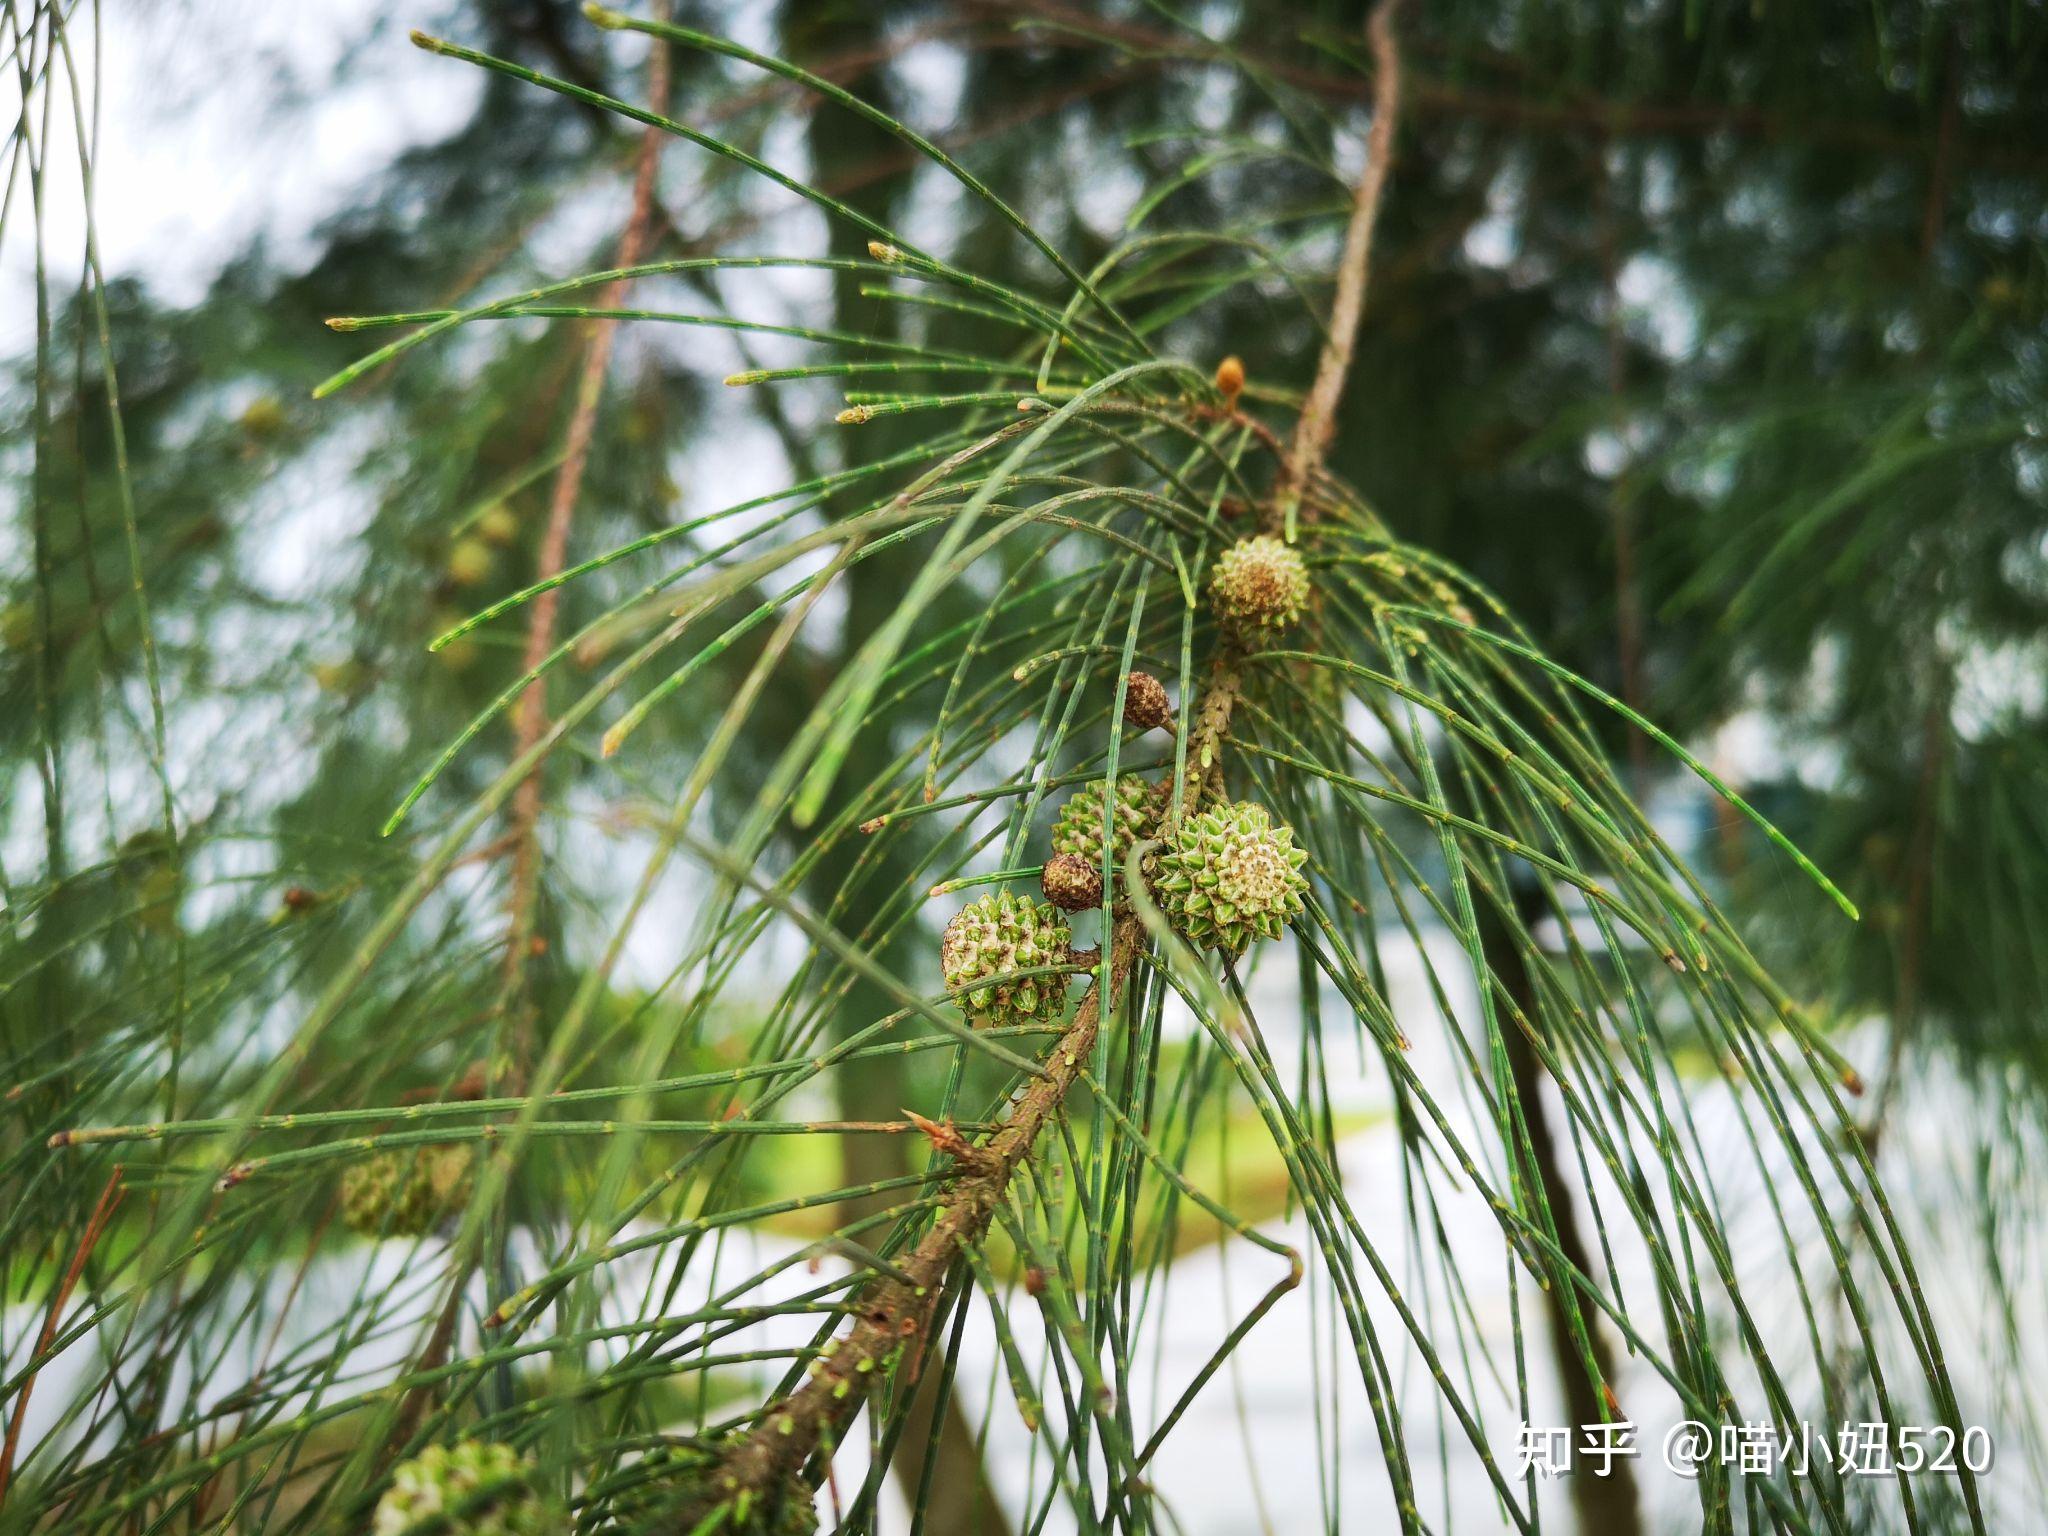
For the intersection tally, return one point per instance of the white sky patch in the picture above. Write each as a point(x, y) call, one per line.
point(312, 516)
point(934, 212)
point(324, 98)
point(1605, 454)
point(749, 463)
point(1753, 746)
point(1492, 242)
point(579, 233)
point(786, 145)
point(1656, 307)
point(934, 76)
point(1660, 184)
point(801, 295)
point(1216, 90)
point(1105, 198)
point(1496, 240)
point(1998, 685)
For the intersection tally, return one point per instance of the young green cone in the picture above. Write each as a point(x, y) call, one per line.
point(994, 936)
point(1077, 829)
point(471, 1488)
point(1259, 588)
point(1230, 874)
point(405, 1193)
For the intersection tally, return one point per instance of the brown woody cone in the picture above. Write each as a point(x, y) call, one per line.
point(1146, 705)
point(1071, 883)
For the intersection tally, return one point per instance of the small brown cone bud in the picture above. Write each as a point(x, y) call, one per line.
point(1230, 378)
point(1071, 883)
point(1145, 703)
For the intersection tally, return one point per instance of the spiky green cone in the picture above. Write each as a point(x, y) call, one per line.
point(1259, 588)
point(994, 936)
point(471, 1488)
point(1077, 829)
point(414, 1189)
point(1231, 874)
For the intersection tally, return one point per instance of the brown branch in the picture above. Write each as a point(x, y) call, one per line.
point(95, 1227)
point(532, 719)
point(895, 1313)
point(1218, 701)
point(1944, 154)
point(1318, 423)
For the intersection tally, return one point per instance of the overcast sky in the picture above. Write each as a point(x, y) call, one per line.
point(218, 122)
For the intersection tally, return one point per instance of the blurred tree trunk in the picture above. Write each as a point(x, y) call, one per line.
point(1606, 1506)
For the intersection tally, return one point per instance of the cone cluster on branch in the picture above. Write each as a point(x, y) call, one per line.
point(1227, 875)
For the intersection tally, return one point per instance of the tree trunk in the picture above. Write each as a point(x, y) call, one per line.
point(1605, 1506)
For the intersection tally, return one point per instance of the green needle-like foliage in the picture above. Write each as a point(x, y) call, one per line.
point(782, 1134)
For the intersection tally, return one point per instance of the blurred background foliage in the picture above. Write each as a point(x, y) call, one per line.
point(1710, 336)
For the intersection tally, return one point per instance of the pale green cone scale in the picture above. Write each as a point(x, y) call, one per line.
point(406, 1193)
